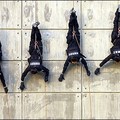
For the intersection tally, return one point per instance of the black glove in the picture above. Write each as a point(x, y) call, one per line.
point(0, 58)
point(97, 71)
point(46, 78)
point(6, 89)
point(61, 78)
point(88, 73)
point(22, 86)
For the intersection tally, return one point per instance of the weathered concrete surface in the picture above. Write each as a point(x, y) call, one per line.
point(11, 44)
point(71, 98)
point(51, 106)
point(107, 81)
point(69, 84)
point(12, 74)
point(101, 106)
point(98, 14)
point(53, 13)
point(28, 14)
point(10, 107)
point(10, 14)
point(96, 44)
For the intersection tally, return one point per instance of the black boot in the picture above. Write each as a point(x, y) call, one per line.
point(36, 24)
point(46, 78)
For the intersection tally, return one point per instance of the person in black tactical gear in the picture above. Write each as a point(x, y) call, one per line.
point(35, 60)
point(73, 49)
point(115, 39)
point(1, 73)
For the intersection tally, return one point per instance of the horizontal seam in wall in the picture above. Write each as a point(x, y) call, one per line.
point(62, 92)
point(48, 60)
point(56, 29)
point(54, 60)
point(38, 92)
point(101, 92)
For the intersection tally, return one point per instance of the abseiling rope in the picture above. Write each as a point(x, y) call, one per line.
point(36, 45)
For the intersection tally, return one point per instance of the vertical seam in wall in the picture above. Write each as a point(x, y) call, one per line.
point(82, 51)
point(21, 56)
point(80, 27)
point(36, 19)
point(35, 11)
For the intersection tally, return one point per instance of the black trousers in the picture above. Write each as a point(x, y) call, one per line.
point(35, 32)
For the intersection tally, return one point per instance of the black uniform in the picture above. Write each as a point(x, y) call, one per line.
point(115, 39)
point(1, 73)
point(73, 49)
point(35, 60)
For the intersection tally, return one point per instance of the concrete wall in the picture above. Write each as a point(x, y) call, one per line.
point(79, 96)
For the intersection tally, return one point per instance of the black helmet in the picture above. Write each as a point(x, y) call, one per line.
point(33, 70)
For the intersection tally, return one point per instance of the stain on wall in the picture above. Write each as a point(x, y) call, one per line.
point(47, 12)
point(67, 15)
point(5, 14)
point(90, 14)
